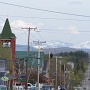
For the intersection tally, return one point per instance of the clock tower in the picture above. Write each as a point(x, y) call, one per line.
point(8, 45)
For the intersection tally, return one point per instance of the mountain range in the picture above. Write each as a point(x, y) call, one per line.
point(56, 46)
point(59, 44)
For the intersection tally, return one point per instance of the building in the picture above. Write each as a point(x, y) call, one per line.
point(12, 57)
point(7, 44)
point(33, 57)
point(2, 69)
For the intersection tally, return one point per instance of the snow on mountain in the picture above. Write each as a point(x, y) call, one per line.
point(82, 45)
point(58, 44)
point(54, 44)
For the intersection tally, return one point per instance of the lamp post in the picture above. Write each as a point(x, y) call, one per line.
point(38, 42)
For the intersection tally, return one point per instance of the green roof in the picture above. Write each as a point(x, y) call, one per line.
point(6, 32)
point(33, 57)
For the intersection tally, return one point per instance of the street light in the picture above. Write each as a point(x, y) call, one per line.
point(38, 42)
point(50, 56)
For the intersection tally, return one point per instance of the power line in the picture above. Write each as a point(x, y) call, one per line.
point(46, 29)
point(2, 19)
point(46, 18)
point(60, 30)
point(58, 12)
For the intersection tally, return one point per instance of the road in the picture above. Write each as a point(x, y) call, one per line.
point(86, 81)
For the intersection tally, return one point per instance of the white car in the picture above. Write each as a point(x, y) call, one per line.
point(29, 86)
point(3, 87)
point(17, 86)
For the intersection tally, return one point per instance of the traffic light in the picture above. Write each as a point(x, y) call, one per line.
point(51, 55)
point(62, 67)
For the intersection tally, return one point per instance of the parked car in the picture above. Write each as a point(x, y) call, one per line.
point(34, 85)
point(3, 87)
point(33, 88)
point(29, 86)
point(47, 87)
point(17, 86)
point(61, 88)
point(84, 88)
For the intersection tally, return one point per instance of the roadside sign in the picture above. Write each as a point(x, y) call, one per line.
point(4, 78)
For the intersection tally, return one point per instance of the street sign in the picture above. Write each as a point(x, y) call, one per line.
point(4, 78)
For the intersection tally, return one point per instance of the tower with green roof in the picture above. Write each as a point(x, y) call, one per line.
point(7, 43)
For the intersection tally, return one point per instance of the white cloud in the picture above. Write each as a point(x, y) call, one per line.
point(21, 34)
point(21, 24)
point(73, 30)
point(40, 25)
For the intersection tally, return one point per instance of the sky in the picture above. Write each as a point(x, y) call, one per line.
point(62, 20)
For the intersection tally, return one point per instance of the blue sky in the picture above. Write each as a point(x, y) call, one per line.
point(53, 18)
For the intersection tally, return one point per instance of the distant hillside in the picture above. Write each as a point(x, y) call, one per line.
point(58, 50)
point(52, 49)
point(24, 48)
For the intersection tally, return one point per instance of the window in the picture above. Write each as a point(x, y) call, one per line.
point(6, 44)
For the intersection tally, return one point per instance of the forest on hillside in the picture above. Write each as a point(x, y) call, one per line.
point(76, 75)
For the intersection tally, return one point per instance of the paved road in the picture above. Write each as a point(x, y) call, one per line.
point(86, 81)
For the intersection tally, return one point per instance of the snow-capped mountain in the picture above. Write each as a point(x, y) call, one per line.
point(54, 44)
point(59, 44)
point(82, 45)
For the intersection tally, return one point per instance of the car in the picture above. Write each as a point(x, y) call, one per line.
point(29, 86)
point(47, 87)
point(61, 87)
point(17, 86)
point(34, 88)
point(84, 88)
point(3, 87)
point(34, 85)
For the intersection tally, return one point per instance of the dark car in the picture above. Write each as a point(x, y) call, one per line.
point(84, 88)
point(61, 88)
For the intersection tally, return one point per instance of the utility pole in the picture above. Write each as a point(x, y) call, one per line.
point(60, 73)
point(56, 72)
point(28, 50)
point(38, 42)
point(49, 69)
point(64, 76)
